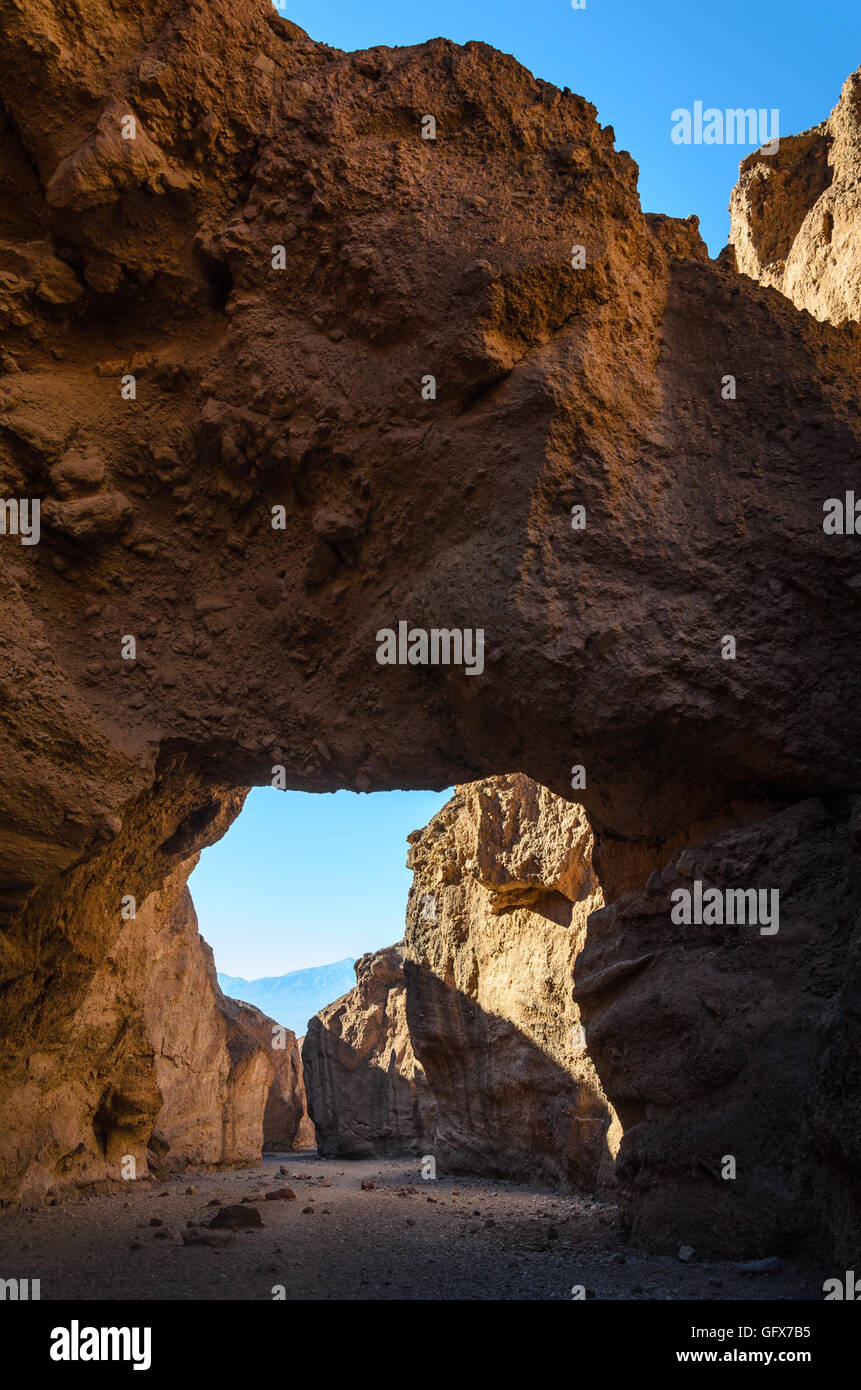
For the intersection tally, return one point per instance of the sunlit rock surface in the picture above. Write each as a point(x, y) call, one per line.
point(796, 214)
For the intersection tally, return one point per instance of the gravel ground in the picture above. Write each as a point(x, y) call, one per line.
point(402, 1238)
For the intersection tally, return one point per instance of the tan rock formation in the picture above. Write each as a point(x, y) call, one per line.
point(156, 1066)
point(503, 886)
point(211, 1105)
point(204, 386)
point(249, 1082)
point(480, 991)
point(367, 1093)
point(795, 215)
point(286, 1123)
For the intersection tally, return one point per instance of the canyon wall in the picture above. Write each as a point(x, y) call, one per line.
point(795, 215)
point(502, 889)
point(726, 1045)
point(367, 1092)
point(286, 1123)
point(523, 1002)
point(217, 343)
point(155, 1066)
point(464, 1041)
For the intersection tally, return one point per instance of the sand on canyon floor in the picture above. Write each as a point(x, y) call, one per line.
point(402, 1238)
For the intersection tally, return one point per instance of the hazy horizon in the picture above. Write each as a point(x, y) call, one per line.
point(295, 997)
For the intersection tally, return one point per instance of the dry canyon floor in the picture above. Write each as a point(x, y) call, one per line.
point(402, 1238)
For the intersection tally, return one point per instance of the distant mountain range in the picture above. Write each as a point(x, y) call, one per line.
point(293, 998)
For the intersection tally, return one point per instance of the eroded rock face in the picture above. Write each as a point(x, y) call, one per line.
point(463, 1042)
point(286, 1123)
point(163, 971)
point(165, 385)
point(724, 1041)
point(503, 886)
point(367, 1093)
point(156, 1066)
point(258, 388)
point(795, 215)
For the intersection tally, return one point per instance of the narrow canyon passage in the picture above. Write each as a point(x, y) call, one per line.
point(462, 1074)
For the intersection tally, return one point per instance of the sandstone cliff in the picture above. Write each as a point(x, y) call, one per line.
point(211, 1097)
point(464, 1041)
point(795, 215)
point(367, 1093)
point(286, 1123)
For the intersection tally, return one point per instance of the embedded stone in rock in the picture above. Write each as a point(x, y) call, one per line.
point(90, 518)
point(58, 284)
point(77, 471)
point(116, 158)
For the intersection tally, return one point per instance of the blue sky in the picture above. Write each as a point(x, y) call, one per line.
point(304, 879)
point(639, 61)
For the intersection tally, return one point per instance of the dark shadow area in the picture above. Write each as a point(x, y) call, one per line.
point(504, 1107)
point(493, 1104)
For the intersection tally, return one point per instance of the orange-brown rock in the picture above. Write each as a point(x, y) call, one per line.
point(795, 215)
point(212, 1089)
point(155, 1071)
point(727, 1041)
point(286, 1123)
point(205, 387)
point(555, 387)
point(502, 890)
point(367, 1093)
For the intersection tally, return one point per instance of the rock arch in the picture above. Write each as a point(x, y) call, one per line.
point(301, 388)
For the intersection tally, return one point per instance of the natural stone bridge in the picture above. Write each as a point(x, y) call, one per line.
point(165, 387)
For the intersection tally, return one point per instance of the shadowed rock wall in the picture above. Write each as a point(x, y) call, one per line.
point(503, 886)
point(367, 1093)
